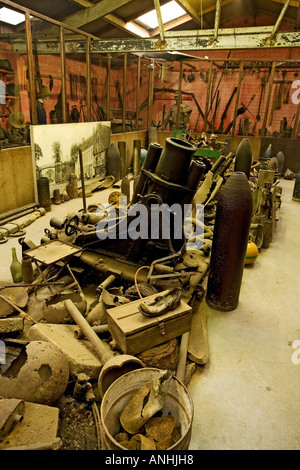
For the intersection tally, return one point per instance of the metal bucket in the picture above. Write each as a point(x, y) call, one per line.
point(178, 403)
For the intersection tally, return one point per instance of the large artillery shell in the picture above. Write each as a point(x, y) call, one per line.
point(233, 218)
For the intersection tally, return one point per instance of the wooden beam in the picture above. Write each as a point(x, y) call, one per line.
point(124, 93)
point(172, 24)
point(293, 3)
point(213, 7)
point(88, 80)
point(108, 87)
point(128, 27)
point(297, 26)
point(150, 93)
point(238, 92)
point(35, 14)
point(82, 3)
point(271, 79)
point(208, 94)
point(179, 101)
point(159, 20)
point(137, 117)
point(63, 74)
point(280, 17)
point(296, 126)
point(191, 11)
point(30, 67)
point(83, 17)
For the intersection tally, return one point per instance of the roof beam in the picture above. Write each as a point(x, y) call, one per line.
point(82, 3)
point(159, 20)
point(231, 38)
point(172, 24)
point(192, 12)
point(130, 27)
point(99, 10)
point(280, 17)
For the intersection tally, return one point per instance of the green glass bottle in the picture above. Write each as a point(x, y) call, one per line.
point(16, 268)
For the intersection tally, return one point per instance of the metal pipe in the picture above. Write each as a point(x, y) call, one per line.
point(217, 19)
point(102, 352)
point(280, 17)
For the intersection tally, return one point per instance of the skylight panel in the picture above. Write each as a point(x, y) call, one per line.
point(170, 11)
point(11, 16)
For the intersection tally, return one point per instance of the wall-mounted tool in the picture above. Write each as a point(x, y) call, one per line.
point(263, 86)
point(223, 117)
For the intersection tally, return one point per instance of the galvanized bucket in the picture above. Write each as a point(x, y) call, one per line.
point(178, 403)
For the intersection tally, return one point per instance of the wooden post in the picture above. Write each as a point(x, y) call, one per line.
point(295, 129)
point(208, 95)
point(30, 67)
point(241, 70)
point(108, 87)
point(137, 117)
point(179, 94)
point(88, 79)
point(124, 93)
point(150, 93)
point(271, 79)
point(63, 74)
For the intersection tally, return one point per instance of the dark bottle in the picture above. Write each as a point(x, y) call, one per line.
point(230, 241)
point(15, 268)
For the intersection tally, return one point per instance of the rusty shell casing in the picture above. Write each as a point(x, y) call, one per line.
point(230, 240)
point(296, 191)
point(153, 154)
point(243, 157)
point(174, 163)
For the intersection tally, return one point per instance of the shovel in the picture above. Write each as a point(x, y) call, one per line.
point(113, 366)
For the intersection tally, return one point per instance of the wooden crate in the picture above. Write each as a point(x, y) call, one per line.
point(134, 332)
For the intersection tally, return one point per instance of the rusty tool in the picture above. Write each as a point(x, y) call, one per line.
point(113, 365)
point(263, 86)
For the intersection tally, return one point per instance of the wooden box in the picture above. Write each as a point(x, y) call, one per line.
point(134, 332)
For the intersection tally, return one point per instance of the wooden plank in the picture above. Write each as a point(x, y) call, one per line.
point(30, 67)
point(17, 179)
point(83, 17)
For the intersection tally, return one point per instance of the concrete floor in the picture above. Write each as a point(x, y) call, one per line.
point(247, 395)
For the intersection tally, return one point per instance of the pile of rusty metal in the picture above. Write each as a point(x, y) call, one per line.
point(121, 287)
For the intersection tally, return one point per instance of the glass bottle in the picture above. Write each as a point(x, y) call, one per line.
point(16, 268)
